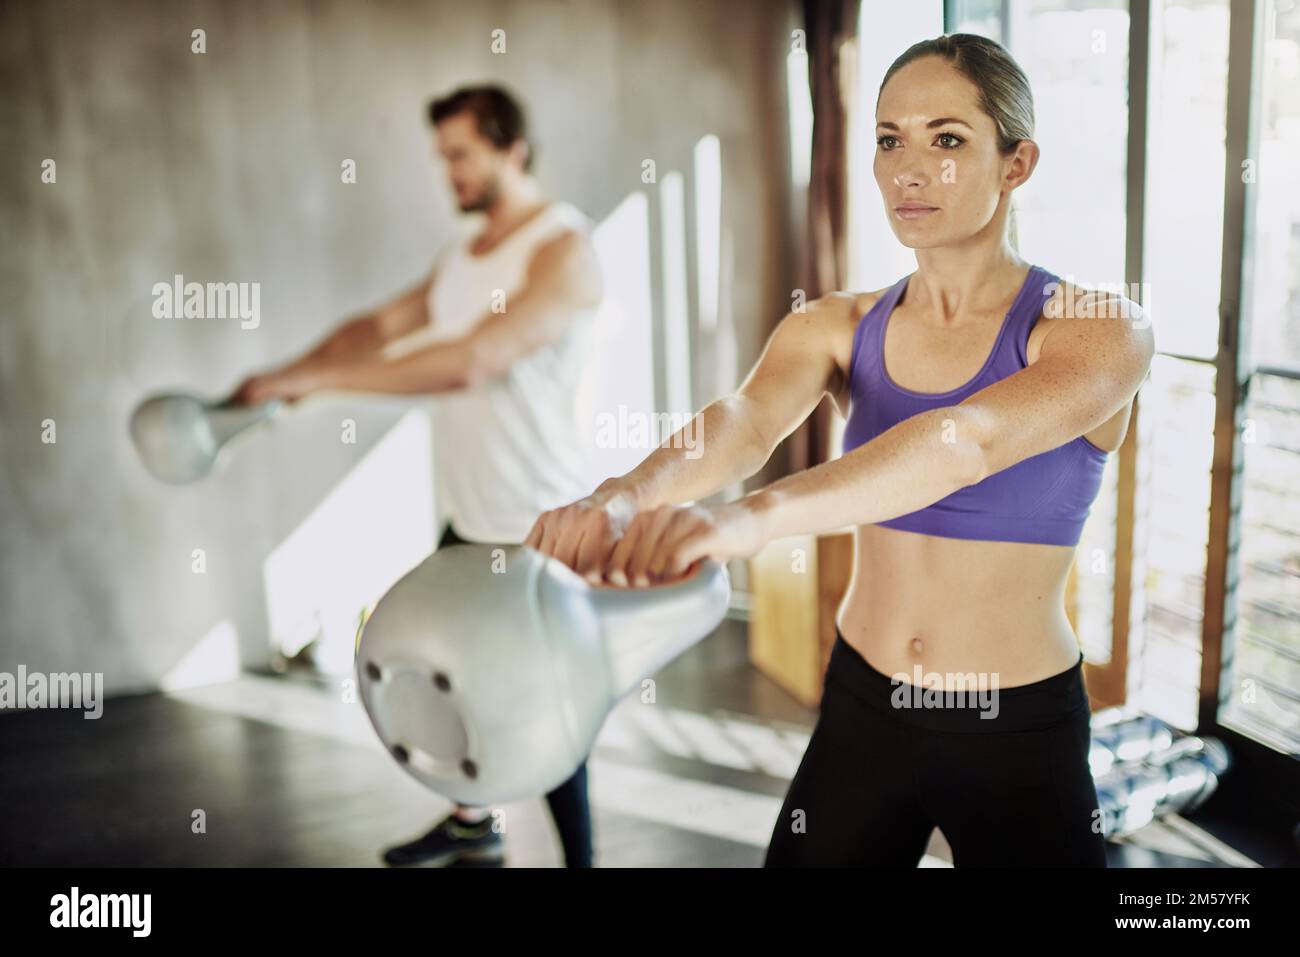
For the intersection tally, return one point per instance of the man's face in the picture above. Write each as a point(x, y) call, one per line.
point(474, 164)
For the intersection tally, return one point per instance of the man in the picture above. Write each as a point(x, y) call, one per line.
point(501, 331)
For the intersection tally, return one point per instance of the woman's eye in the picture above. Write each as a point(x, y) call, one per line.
point(948, 141)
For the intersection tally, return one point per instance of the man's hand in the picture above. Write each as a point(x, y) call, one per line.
point(289, 383)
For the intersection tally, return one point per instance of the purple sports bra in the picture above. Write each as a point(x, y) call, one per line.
point(1043, 499)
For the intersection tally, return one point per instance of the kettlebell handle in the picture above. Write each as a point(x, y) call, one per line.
point(612, 597)
point(229, 419)
point(646, 628)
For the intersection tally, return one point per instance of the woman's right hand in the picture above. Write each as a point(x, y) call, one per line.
point(584, 533)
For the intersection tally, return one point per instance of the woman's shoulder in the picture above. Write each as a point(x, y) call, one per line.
point(836, 317)
point(845, 305)
point(839, 314)
point(866, 300)
point(1063, 299)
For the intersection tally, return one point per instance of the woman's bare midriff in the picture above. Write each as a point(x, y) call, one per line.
point(955, 606)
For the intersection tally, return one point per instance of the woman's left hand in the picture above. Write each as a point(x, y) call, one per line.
point(663, 544)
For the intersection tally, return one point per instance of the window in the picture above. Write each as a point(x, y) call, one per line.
point(1262, 675)
point(1075, 54)
point(1183, 249)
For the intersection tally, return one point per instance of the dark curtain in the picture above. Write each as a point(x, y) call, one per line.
point(827, 25)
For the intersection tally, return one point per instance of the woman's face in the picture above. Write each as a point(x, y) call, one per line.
point(938, 151)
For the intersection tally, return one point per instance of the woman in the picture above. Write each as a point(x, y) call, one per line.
point(978, 428)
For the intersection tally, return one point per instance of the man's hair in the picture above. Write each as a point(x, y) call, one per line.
point(500, 116)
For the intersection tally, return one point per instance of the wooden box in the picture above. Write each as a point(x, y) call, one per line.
point(796, 586)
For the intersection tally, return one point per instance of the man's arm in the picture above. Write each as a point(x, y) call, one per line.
point(362, 336)
point(368, 333)
point(563, 278)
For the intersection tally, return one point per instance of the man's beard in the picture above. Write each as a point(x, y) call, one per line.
point(485, 199)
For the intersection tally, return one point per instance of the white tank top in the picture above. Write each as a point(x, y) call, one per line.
point(515, 446)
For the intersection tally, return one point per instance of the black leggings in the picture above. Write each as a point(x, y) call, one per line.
point(569, 803)
point(1013, 789)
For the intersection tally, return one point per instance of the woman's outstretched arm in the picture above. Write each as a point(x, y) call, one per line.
point(1087, 370)
point(726, 442)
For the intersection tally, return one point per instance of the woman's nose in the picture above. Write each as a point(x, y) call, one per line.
point(912, 177)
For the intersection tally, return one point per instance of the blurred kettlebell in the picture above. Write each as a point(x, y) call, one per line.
point(179, 436)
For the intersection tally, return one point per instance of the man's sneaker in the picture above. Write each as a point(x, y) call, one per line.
point(451, 840)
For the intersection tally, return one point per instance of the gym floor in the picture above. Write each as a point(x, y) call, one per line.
point(287, 774)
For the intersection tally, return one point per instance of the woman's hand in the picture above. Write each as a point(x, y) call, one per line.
point(583, 534)
point(665, 543)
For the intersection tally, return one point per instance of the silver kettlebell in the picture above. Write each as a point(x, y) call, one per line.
point(179, 436)
point(487, 670)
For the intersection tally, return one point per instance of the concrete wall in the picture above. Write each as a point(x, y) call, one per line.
point(225, 166)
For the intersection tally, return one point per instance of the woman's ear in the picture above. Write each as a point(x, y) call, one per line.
point(1023, 161)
